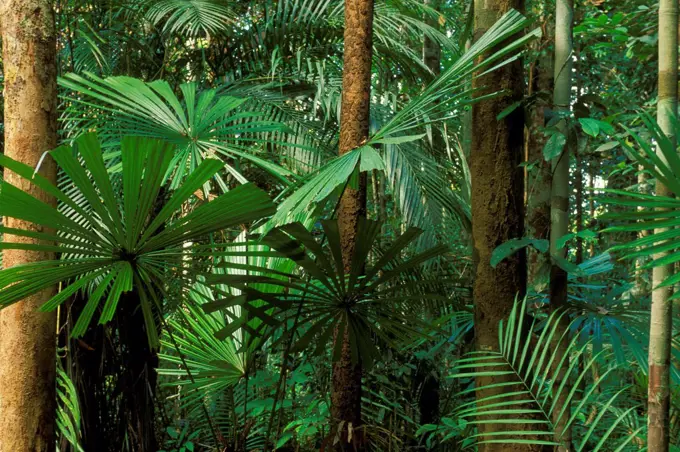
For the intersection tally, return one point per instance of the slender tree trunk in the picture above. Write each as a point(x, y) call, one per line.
point(497, 206)
point(578, 188)
point(427, 379)
point(28, 337)
point(354, 128)
point(539, 176)
point(591, 205)
point(641, 274)
point(559, 203)
point(662, 308)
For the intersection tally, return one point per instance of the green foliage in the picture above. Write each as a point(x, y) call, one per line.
point(126, 237)
point(201, 124)
point(68, 409)
point(652, 211)
point(332, 300)
point(527, 365)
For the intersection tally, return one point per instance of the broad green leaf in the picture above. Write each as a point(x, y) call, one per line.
point(554, 146)
point(510, 247)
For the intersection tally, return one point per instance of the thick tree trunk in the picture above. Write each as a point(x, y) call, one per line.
point(28, 337)
point(354, 128)
point(658, 399)
point(540, 175)
point(497, 205)
point(559, 203)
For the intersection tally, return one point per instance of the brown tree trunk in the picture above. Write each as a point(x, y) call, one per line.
point(354, 128)
point(539, 176)
point(497, 205)
point(27, 337)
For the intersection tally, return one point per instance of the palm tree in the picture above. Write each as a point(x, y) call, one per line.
point(126, 250)
point(27, 337)
point(354, 128)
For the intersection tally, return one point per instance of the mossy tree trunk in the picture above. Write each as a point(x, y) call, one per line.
point(28, 337)
point(539, 173)
point(497, 205)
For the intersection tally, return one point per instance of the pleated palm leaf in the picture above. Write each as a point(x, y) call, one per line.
point(529, 360)
point(192, 18)
point(201, 124)
point(126, 237)
point(322, 298)
point(655, 211)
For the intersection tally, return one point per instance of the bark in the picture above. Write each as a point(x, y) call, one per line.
point(354, 128)
point(540, 175)
point(497, 206)
point(559, 202)
point(658, 399)
point(28, 337)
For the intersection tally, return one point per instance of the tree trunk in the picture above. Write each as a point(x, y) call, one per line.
point(497, 206)
point(540, 174)
point(658, 399)
point(591, 205)
point(582, 142)
point(642, 274)
point(559, 203)
point(354, 128)
point(427, 380)
point(28, 337)
point(137, 382)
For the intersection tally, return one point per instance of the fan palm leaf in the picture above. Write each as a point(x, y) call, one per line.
point(125, 242)
point(325, 298)
point(201, 125)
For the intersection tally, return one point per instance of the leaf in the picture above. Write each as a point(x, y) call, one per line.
point(509, 109)
point(590, 126)
point(287, 436)
point(426, 428)
point(607, 146)
point(553, 147)
point(399, 139)
point(513, 245)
